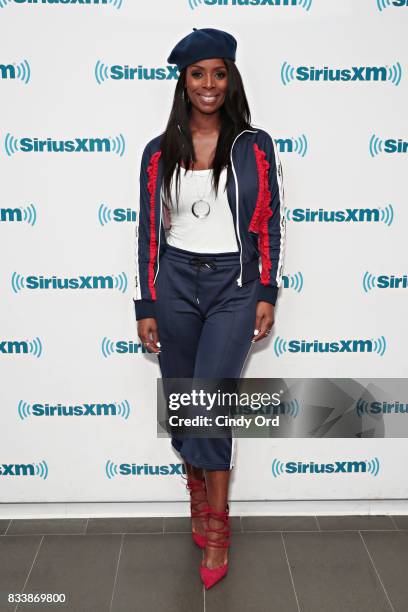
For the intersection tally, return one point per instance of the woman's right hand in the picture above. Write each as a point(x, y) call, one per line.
point(148, 334)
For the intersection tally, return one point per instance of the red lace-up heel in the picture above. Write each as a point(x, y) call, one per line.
point(194, 486)
point(209, 575)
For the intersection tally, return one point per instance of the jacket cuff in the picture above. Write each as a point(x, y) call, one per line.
point(144, 309)
point(267, 293)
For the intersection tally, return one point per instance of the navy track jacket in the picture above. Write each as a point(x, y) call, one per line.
point(256, 198)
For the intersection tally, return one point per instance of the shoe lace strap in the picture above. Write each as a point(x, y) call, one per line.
point(194, 485)
point(224, 530)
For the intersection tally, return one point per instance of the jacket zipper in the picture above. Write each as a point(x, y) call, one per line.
point(239, 279)
point(158, 242)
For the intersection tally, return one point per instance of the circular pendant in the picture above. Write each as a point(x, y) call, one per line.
point(200, 209)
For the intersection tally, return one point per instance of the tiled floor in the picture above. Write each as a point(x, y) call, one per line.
point(277, 564)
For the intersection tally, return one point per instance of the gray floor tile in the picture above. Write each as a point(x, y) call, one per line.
point(16, 557)
point(175, 524)
point(46, 526)
point(4, 523)
point(125, 525)
point(81, 566)
point(401, 521)
point(390, 556)
point(332, 572)
point(158, 573)
point(258, 578)
point(356, 522)
point(279, 523)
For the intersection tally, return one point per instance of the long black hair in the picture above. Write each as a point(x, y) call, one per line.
point(176, 142)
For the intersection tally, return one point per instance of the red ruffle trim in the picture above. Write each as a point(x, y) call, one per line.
point(152, 171)
point(262, 213)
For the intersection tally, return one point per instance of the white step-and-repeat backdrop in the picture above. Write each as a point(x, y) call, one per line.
point(84, 85)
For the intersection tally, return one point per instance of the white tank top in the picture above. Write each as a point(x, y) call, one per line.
point(211, 234)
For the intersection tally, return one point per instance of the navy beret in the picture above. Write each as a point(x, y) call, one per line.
point(206, 43)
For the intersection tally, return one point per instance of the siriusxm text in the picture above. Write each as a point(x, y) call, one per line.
point(80, 282)
point(77, 145)
point(127, 73)
point(251, 2)
point(131, 469)
point(48, 410)
point(337, 346)
point(300, 467)
point(385, 281)
point(346, 215)
point(354, 73)
point(388, 408)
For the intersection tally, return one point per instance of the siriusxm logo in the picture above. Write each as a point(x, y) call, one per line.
point(347, 215)
point(293, 281)
point(305, 4)
point(383, 4)
point(384, 281)
point(337, 346)
point(39, 469)
point(14, 145)
point(117, 72)
point(364, 466)
point(20, 72)
point(108, 215)
point(20, 282)
point(391, 145)
point(40, 409)
point(297, 145)
point(19, 215)
point(21, 347)
point(366, 408)
point(363, 407)
point(290, 408)
point(131, 469)
point(121, 347)
point(393, 74)
point(114, 3)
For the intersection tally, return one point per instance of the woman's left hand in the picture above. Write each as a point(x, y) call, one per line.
point(264, 320)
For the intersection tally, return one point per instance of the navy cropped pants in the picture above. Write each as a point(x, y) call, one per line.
point(205, 324)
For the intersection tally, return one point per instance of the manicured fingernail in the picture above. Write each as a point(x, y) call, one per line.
point(256, 332)
point(158, 344)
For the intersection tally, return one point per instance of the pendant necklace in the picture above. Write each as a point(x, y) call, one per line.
point(201, 208)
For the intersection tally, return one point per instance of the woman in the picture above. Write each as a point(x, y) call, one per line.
point(211, 206)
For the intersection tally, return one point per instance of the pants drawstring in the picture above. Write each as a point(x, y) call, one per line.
point(200, 262)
